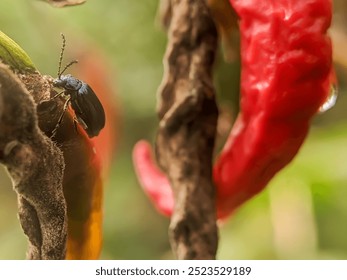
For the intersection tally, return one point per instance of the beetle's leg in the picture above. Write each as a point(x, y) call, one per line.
point(75, 122)
point(57, 95)
point(82, 122)
point(61, 117)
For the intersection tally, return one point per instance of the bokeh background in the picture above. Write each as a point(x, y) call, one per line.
point(301, 215)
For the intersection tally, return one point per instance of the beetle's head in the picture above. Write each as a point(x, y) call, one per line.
point(60, 82)
point(67, 82)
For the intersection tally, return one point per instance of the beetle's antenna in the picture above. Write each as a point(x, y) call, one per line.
point(61, 57)
point(67, 66)
point(61, 54)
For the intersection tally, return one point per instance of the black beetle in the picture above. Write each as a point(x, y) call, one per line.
point(87, 107)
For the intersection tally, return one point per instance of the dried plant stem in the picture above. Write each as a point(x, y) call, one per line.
point(188, 116)
point(36, 167)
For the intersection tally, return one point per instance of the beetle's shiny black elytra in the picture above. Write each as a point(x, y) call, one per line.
point(87, 107)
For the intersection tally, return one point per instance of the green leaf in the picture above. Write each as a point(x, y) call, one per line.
point(14, 56)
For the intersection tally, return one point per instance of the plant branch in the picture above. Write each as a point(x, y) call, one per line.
point(188, 116)
point(35, 166)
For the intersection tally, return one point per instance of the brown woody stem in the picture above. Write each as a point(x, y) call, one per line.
point(35, 166)
point(188, 116)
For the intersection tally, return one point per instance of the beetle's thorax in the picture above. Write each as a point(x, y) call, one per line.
point(68, 82)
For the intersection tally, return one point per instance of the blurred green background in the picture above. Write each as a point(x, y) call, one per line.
point(301, 215)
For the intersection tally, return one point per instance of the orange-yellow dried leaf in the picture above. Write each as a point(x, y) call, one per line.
point(87, 164)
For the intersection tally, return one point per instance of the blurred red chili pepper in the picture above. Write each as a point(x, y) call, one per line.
point(92, 67)
point(286, 77)
point(154, 182)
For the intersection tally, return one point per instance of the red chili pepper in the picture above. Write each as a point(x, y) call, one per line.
point(154, 182)
point(286, 62)
point(286, 76)
point(93, 67)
